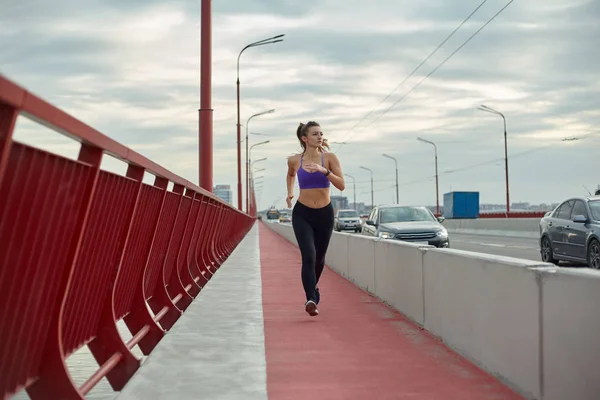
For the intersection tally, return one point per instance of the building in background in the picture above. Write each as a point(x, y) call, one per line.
point(339, 202)
point(361, 207)
point(223, 192)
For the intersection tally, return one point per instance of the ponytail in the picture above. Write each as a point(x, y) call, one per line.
point(301, 132)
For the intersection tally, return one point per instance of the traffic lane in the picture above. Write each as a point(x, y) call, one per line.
point(498, 245)
point(526, 248)
point(507, 246)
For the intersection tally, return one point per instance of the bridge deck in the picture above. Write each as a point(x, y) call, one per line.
point(247, 336)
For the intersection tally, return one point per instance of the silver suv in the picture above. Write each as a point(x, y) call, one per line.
point(347, 220)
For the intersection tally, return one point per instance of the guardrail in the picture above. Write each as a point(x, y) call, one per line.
point(513, 214)
point(531, 324)
point(81, 248)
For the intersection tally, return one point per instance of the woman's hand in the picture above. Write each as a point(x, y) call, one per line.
point(288, 200)
point(314, 167)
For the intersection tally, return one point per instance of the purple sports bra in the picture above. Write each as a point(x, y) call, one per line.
point(312, 180)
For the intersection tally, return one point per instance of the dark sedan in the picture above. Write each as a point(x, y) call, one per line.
point(407, 223)
point(571, 232)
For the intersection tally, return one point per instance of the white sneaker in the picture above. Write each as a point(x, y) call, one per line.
point(311, 308)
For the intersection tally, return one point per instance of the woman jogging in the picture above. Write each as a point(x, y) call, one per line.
point(312, 217)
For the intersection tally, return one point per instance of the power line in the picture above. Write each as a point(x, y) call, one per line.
point(420, 65)
point(438, 66)
point(485, 163)
point(442, 63)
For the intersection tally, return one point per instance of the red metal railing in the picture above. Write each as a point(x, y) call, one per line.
point(514, 214)
point(82, 248)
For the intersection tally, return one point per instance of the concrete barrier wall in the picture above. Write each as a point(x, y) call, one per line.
point(361, 261)
point(337, 254)
point(399, 277)
point(571, 334)
point(517, 227)
point(486, 308)
point(531, 324)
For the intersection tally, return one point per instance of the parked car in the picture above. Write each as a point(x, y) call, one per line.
point(571, 232)
point(347, 220)
point(407, 223)
point(284, 217)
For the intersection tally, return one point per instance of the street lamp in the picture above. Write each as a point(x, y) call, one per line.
point(396, 162)
point(353, 188)
point(250, 152)
point(270, 40)
point(260, 159)
point(437, 197)
point(491, 110)
point(253, 172)
point(247, 159)
point(372, 202)
point(257, 144)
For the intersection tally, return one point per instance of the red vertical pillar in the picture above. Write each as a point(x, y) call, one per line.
point(205, 152)
point(8, 119)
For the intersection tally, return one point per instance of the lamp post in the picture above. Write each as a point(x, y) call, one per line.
point(491, 110)
point(353, 188)
point(259, 160)
point(437, 197)
point(395, 162)
point(257, 144)
point(250, 152)
point(247, 159)
point(372, 201)
point(270, 40)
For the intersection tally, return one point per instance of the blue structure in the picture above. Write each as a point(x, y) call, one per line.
point(461, 205)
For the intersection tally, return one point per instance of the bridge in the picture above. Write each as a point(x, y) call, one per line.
point(177, 294)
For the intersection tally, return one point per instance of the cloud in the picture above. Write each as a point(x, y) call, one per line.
point(132, 69)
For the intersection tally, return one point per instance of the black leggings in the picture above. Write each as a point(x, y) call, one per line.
point(313, 228)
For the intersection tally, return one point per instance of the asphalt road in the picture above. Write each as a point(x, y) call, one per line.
point(508, 246)
point(528, 249)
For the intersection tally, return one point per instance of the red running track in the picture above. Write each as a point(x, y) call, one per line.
point(357, 347)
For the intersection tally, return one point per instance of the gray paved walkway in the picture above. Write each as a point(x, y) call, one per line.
point(216, 350)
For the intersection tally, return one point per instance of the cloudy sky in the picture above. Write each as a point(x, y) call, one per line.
point(131, 70)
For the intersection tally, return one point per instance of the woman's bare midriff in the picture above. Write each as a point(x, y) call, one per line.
point(314, 198)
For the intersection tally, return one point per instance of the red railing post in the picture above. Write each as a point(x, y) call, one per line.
point(197, 250)
point(108, 341)
point(140, 316)
point(161, 298)
point(207, 259)
point(175, 286)
point(54, 380)
point(182, 280)
point(8, 119)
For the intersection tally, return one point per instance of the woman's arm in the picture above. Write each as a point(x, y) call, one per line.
point(290, 178)
point(336, 176)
